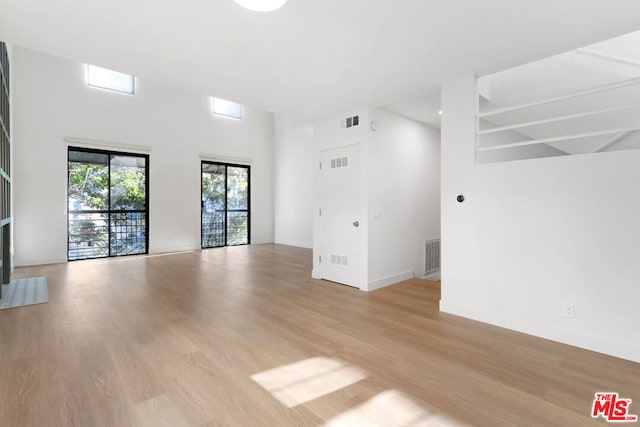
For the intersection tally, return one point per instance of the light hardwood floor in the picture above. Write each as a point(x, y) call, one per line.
point(243, 336)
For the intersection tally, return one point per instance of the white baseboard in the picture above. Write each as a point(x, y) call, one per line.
point(595, 343)
point(390, 280)
point(432, 276)
point(171, 249)
point(44, 261)
point(38, 261)
point(296, 244)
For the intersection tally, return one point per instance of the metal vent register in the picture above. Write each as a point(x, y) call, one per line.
point(339, 260)
point(339, 162)
point(431, 256)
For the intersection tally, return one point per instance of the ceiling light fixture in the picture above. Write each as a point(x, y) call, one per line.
point(261, 5)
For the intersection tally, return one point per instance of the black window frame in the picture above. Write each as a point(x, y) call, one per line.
point(226, 166)
point(109, 210)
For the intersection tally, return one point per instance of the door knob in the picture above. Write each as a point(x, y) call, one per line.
point(356, 223)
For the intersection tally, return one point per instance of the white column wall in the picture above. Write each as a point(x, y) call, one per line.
point(534, 234)
point(293, 181)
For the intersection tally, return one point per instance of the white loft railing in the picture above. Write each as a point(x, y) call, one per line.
point(618, 132)
point(599, 89)
point(608, 57)
point(558, 138)
point(557, 119)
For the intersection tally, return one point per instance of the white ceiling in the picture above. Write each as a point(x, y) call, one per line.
point(312, 58)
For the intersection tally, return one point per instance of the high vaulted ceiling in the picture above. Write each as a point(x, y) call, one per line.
point(312, 58)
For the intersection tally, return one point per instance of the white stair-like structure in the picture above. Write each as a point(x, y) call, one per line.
point(584, 101)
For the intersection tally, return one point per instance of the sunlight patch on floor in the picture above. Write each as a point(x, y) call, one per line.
point(390, 408)
point(308, 379)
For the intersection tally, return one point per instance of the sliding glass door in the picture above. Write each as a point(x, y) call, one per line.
point(107, 203)
point(225, 205)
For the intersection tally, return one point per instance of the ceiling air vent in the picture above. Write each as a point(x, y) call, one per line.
point(350, 122)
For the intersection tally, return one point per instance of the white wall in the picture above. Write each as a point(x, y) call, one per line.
point(404, 197)
point(293, 170)
point(535, 234)
point(52, 101)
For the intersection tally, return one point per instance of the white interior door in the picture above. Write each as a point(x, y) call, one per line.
point(340, 215)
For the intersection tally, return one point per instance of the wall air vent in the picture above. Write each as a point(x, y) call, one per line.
point(350, 122)
point(339, 162)
point(431, 256)
point(340, 260)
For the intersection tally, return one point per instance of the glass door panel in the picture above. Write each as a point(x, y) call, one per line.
point(128, 205)
point(225, 205)
point(107, 204)
point(213, 205)
point(88, 199)
point(237, 205)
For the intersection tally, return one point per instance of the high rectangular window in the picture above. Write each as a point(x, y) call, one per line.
point(222, 107)
point(111, 80)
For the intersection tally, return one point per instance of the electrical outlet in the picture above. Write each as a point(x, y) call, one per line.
point(568, 310)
